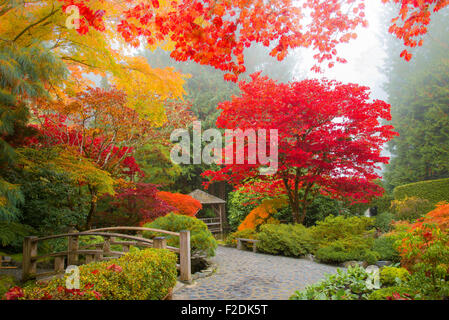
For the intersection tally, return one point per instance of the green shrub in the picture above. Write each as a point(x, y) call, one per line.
point(201, 239)
point(284, 239)
point(346, 250)
point(383, 221)
point(411, 208)
point(344, 285)
point(385, 247)
point(390, 276)
point(337, 228)
point(245, 234)
point(433, 190)
point(386, 293)
point(141, 275)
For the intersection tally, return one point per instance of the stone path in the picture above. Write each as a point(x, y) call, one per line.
point(247, 275)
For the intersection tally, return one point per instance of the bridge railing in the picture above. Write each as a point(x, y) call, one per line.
point(102, 251)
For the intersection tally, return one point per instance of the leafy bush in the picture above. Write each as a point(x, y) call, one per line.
point(389, 292)
point(424, 251)
point(336, 228)
point(345, 250)
point(339, 239)
point(349, 285)
point(245, 234)
point(432, 190)
point(284, 239)
point(141, 275)
point(383, 221)
point(201, 239)
point(390, 276)
point(411, 208)
point(385, 247)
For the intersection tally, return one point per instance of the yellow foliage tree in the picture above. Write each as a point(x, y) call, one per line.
point(23, 23)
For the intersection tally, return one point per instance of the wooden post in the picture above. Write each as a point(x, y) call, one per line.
point(254, 246)
point(73, 246)
point(106, 246)
point(221, 219)
point(90, 258)
point(160, 243)
point(28, 263)
point(239, 244)
point(184, 256)
point(59, 264)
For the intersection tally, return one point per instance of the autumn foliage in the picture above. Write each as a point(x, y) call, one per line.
point(184, 204)
point(425, 243)
point(133, 205)
point(329, 139)
point(414, 17)
point(262, 214)
point(216, 32)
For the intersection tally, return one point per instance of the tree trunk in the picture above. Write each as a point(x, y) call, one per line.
point(93, 207)
point(296, 215)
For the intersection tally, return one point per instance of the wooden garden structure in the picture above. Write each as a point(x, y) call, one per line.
point(216, 224)
point(102, 251)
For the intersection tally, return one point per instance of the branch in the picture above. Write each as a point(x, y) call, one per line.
point(36, 23)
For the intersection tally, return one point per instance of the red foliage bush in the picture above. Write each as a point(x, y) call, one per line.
point(184, 204)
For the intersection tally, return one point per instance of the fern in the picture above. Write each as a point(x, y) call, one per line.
point(12, 233)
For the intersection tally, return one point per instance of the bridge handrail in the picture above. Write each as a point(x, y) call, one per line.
point(30, 255)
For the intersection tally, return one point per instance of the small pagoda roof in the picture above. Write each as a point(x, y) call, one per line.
point(205, 198)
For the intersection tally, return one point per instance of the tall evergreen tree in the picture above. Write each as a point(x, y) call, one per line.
point(419, 95)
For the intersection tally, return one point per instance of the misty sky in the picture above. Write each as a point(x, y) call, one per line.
point(365, 56)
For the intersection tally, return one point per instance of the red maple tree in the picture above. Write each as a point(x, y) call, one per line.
point(215, 32)
point(133, 205)
point(183, 203)
point(329, 139)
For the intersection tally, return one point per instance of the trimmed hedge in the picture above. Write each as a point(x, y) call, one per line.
point(140, 275)
point(433, 190)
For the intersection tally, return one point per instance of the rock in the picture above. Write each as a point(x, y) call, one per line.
point(383, 263)
point(309, 257)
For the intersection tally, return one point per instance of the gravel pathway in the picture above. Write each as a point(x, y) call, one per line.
point(247, 275)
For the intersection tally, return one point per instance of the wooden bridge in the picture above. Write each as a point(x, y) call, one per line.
point(102, 251)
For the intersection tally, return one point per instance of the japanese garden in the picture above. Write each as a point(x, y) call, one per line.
point(224, 150)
